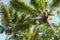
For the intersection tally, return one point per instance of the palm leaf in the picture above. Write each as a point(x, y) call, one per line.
point(39, 4)
point(22, 5)
point(34, 3)
point(5, 14)
point(54, 5)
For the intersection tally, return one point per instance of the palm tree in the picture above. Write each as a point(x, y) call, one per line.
point(29, 21)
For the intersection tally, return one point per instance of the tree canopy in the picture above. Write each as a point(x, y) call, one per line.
point(30, 21)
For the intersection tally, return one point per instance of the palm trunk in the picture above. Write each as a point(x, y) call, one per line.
point(8, 37)
point(49, 24)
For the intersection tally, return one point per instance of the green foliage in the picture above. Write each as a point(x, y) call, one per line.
point(54, 3)
point(6, 15)
point(22, 18)
point(39, 4)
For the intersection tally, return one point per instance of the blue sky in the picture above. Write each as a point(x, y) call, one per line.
point(6, 1)
point(3, 36)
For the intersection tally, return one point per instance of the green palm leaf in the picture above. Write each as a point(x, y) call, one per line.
point(5, 14)
point(39, 4)
point(22, 5)
point(55, 4)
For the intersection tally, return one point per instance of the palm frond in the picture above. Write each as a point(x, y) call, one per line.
point(39, 4)
point(55, 4)
point(5, 13)
point(22, 5)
